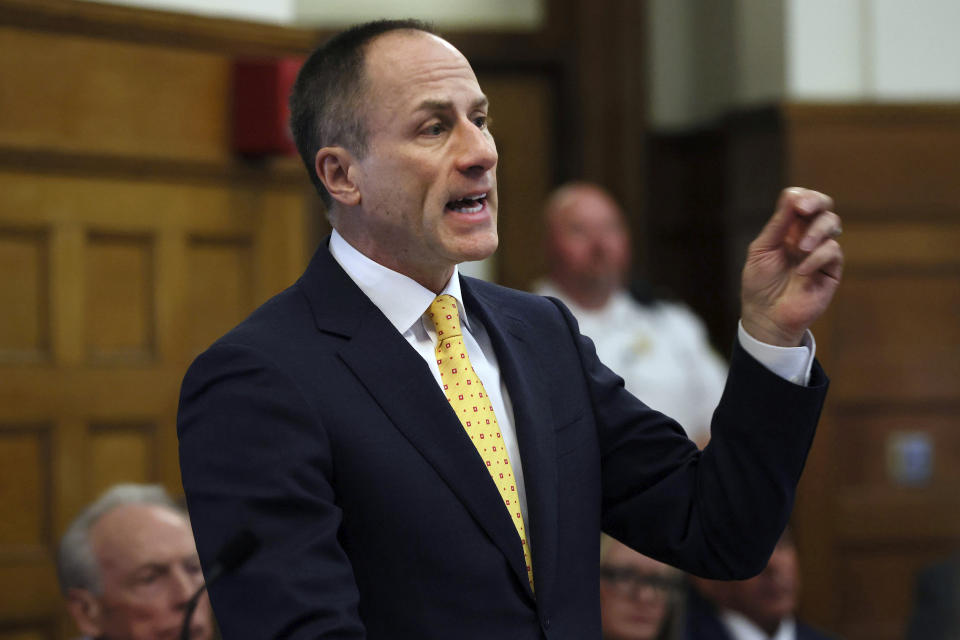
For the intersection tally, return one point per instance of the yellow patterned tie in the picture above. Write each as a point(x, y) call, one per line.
point(468, 398)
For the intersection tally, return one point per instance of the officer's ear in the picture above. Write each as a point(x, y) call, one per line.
point(334, 168)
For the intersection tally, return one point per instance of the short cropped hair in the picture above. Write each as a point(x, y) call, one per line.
point(77, 568)
point(327, 98)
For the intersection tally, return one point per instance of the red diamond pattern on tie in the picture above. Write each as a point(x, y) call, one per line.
point(469, 400)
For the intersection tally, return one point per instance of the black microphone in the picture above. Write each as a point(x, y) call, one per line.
point(233, 553)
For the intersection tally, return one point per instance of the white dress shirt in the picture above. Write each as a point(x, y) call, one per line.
point(405, 302)
point(664, 356)
point(742, 628)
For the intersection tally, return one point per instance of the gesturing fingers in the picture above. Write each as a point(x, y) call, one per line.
point(827, 258)
point(794, 202)
point(826, 226)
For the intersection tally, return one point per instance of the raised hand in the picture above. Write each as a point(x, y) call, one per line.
point(792, 269)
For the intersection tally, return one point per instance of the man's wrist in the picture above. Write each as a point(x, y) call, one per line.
point(769, 333)
point(790, 363)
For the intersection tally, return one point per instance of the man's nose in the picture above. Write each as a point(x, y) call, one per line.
point(184, 584)
point(476, 150)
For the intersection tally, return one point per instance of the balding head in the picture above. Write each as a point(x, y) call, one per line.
point(128, 566)
point(588, 245)
point(326, 103)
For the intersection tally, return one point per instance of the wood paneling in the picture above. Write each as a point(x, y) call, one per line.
point(110, 97)
point(120, 452)
point(220, 287)
point(891, 342)
point(25, 335)
point(37, 631)
point(25, 482)
point(119, 289)
point(130, 238)
point(870, 594)
point(875, 306)
point(897, 161)
point(523, 125)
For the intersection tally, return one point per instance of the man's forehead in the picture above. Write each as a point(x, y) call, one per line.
point(133, 529)
point(407, 54)
point(413, 37)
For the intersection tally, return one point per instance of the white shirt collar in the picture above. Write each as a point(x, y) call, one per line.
point(401, 299)
point(742, 628)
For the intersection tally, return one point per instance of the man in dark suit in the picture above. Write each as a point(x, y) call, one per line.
point(334, 424)
point(761, 608)
point(936, 602)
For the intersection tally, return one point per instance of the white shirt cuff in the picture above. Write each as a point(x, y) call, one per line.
point(790, 363)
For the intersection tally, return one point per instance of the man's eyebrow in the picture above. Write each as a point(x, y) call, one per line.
point(447, 105)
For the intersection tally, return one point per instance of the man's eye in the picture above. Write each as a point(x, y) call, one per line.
point(149, 576)
point(482, 122)
point(433, 129)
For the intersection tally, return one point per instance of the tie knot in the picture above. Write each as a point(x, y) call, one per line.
point(446, 317)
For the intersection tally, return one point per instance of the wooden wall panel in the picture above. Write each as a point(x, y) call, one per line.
point(119, 287)
point(894, 161)
point(522, 112)
point(116, 173)
point(220, 289)
point(121, 452)
point(37, 631)
point(110, 97)
point(26, 478)
point(891, 343)
point(870, 592)
point(919, 364)
point(868, 429)
point(25, 335)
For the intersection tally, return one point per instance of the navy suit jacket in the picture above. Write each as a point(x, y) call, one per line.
point(315, 424)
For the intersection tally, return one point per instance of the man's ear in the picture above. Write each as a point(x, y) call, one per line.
point(85, 609)
point(332, 165)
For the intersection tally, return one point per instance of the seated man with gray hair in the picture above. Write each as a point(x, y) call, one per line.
point(128, 565)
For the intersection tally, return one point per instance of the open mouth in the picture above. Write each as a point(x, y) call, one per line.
point(468, 204)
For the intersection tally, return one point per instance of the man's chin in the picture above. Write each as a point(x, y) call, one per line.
point(478, 249)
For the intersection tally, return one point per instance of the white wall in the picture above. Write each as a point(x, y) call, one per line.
point(916, 52)
point(878, 50)
point(828, 50)
point(276, 11)
point(502, 14)
point(706, 58)
point(799, 50)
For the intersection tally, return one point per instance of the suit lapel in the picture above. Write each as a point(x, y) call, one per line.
point(399, 381)
point(517, 359)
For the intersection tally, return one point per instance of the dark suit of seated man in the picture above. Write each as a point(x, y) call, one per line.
point(936, 602)
point(761, 608)
point(323, 423)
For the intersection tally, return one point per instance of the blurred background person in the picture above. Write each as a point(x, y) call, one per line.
point(638, 595)
point(660, 348)
point(936, 602)
point(761, 608)
point(128, 565)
